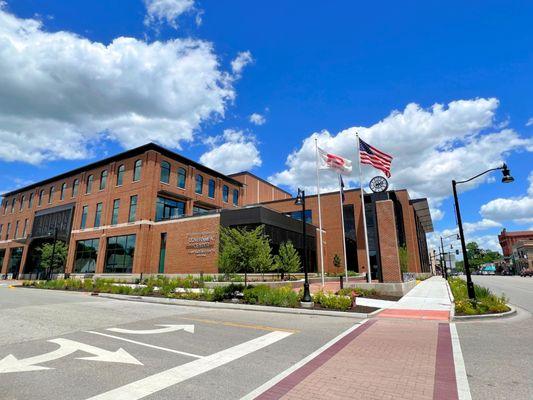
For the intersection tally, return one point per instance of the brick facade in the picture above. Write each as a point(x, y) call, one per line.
point(388, 241)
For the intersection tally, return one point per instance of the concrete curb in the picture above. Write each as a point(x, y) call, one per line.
point(231, 306)
point(509, 313)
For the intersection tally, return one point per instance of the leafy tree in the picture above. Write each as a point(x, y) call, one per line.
point(404, 259)
point(337, 262)
point(60, 256)
point(478, 256)
point(288, 260)
point(244, 251)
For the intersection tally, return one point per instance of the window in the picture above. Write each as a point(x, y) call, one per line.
point(98, 215)
point(199, 210)
point(13, 205)
point(298, 215)
point(162, 253)
point(137, 170)
point(165, 172)
point(169, 209)
point(182, 178)
point(89, 187)
point(41, 195)
point(116, 206)
point(16, 233)
point(119, 254)
point(8, 229)
point(30, 201)
point(199, 183)
point(235, 197)
point(75, 186)
point(25, 228)
point(1, 228)
point(211, 189)
point(133, 208)
point(84, 212)
point(63, 190)
point(86, 255)
point(103, 179)
point(225, 193)
point(120, 175)
point(5, 206)
point(51, 194)
point(22, 200)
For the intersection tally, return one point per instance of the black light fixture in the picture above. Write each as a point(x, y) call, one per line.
point(300, 201)
point(507, 178)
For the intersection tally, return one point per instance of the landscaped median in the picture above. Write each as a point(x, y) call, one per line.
point(486, 302)
point(192, 288)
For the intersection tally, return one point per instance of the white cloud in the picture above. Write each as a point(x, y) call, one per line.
point(529, 122)
point(61, 93)
point(242, 60)
point(257, 119)
point(518, 209)
point(233, 151)
point(160, 11)
point(430, 147)
point(483, 225)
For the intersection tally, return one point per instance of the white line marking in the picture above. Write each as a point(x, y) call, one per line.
point(463, 389)
point(165, 329)
point(152, 384)
point(264, 387)
point(147, 344)
point(66, 347)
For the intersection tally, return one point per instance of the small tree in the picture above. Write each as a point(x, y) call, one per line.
point(60, 256)
point(337, 262)
point(244, 251)
point(288, 259)
point(404, 259)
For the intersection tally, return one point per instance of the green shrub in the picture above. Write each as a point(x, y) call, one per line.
point(486, 301)
point(331, 301)
point(221, 293)
point(265, 295)
point(357, 291)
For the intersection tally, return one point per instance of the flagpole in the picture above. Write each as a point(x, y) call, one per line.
point(363, 211)
point(319, 215)
point(343, 233)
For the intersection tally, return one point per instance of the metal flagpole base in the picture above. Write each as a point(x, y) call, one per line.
point(307, 304)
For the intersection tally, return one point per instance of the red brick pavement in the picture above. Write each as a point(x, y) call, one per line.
point(383, 359)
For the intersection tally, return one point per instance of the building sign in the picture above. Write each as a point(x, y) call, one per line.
point(201, 243)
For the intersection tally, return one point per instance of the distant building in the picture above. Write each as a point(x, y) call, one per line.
point(508, 239)
point(522, 257)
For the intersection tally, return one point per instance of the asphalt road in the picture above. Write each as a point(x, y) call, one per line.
point(61, 345)
point(498, 354)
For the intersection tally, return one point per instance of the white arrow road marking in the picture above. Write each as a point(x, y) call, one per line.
point(66, 347)
point(162, 380)
point(147, 345)
point(165, 329)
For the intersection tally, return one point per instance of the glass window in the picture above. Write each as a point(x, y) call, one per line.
point(30, 201)
point(13, 205)
point(298, 215)
point(89, 187)
point(5, 206)
point(162, 253)
point(22, 200)
point(116, 206)
point(98, 215)
point(15, 260)
point(25, 228)
point(165, 172)
point(86, 255)
point(1, 228)
point(199, 210)
point(41, 195)
point(75, 186)
point(119, 254)
point(8, 229)
point(182, 178)
point(225, 193)
point(84, 212)
point(137, 170)
point(16, 233)
point(199, 183)
point(211, 191)
point(120, 175)
point(235, 197)
point(169, 209)
point(133, 208)
point(51, 194)
point(103, 179)
point(63, 190)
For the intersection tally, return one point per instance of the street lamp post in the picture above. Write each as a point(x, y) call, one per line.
point(507, 178)
point(442, 258)
point(300, 200)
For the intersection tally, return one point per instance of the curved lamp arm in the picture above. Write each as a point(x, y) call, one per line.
point(483, 173)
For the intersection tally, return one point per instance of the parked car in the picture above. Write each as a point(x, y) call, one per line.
point(526, 273)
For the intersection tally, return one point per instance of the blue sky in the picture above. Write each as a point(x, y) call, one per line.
point(194, 72)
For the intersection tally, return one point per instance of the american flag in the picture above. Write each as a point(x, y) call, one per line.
point(372, 156)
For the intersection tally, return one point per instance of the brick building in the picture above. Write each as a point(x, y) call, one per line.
point(150, 210)
point(509, 239)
